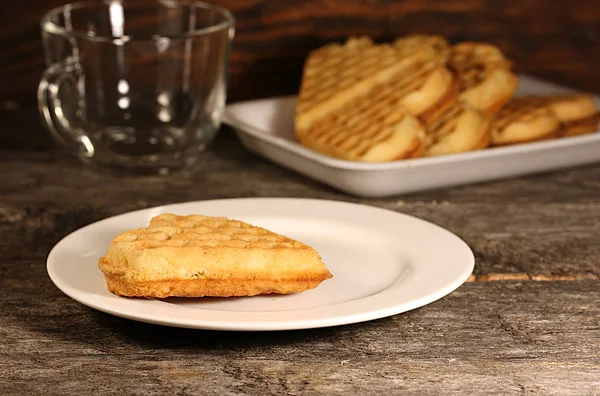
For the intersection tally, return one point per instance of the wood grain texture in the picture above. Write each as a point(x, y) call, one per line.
point(526, 323)
point(491, 336)
point(558, 41)
point(508, 338)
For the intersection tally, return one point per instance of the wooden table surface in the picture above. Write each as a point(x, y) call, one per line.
point(528, 322)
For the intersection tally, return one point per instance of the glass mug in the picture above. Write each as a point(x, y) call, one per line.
point(136, 86)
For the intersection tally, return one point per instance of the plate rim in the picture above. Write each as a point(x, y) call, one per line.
point(231, 325)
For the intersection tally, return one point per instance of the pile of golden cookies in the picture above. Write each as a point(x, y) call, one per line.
point(420, 96)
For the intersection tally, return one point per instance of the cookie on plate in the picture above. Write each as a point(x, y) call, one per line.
point(577, 113)
point(486, 81)
point(197, 256)
point(336, 74)
point(359, 101)
point(429, 91)
point(435, 94)
point(374, 128)
point(460, 129)
point(524, 119)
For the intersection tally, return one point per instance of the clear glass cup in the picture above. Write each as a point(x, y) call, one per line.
point(136, 86)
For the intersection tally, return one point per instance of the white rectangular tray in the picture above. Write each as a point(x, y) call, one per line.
point(266, 127)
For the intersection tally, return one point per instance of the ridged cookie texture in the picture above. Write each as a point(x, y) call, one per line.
point(524, 119)
point(577, 113)
point(461, 129)
point(365, 102)
point(485, 78)
point(419, 95)
point(336, 74)
point(197, 256)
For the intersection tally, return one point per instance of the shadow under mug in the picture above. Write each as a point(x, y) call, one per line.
point(135, 86)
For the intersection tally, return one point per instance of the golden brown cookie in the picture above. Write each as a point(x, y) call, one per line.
point(461, 129)
point(577, 113)
point(440, 90)
point(337, 74)
point(372, 119)
point(433, 46)
point(197, 256)
point(430, 90)
point(485, 78)
point(371, 129)
point(522, 120)
point(443, 104)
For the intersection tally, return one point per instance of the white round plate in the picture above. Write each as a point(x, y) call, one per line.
point(383, 263)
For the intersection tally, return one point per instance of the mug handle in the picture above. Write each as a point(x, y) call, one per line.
point(50, 107)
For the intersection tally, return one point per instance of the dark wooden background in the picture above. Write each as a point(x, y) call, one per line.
point(554, 40)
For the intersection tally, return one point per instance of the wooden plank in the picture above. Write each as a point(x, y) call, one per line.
point(485, 338)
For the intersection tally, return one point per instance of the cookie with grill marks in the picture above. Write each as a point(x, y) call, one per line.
point(460, 129)
point(522, 120)
point(366, 102)
point(577, 112)
point(486, 81)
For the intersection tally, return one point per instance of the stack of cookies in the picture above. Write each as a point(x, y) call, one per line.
point(420, 96)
